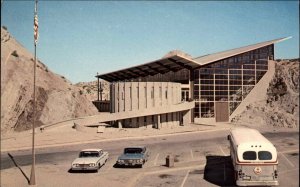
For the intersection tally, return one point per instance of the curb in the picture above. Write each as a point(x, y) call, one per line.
point(108, 140)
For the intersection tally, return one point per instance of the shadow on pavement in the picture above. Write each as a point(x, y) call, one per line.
point(219, 170)
point(125, 167)
point(12, 158)
point(82, 171)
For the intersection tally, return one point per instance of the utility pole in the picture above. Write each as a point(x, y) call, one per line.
point(35, 26)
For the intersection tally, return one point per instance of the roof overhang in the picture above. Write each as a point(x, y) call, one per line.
point(207, 59)
point(178, 62)
point(172, 63)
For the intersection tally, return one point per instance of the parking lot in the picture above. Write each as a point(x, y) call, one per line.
point(200, 160)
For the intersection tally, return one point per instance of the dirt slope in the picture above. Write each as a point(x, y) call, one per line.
point(281, 107)
point(57, 98)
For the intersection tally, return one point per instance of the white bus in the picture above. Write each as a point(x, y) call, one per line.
point(254, 158)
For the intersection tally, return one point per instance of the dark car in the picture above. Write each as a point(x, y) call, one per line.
point(133, 156)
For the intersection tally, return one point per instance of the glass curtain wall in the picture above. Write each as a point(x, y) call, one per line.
point(181, 76)
point(229, 80)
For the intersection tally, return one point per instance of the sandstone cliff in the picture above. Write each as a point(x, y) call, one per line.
point(57, 98)
point(281, 107)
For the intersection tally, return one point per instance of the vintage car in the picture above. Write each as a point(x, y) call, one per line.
point(133, 156)
point(90, 159)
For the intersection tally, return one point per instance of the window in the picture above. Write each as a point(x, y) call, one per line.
point(166, 92)
point(249, 155)
point(152, 93)
point(264, 155)
point(160, 92)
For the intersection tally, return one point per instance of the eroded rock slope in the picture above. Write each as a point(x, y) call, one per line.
point(57, 98)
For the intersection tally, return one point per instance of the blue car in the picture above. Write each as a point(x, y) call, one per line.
point(133, 156)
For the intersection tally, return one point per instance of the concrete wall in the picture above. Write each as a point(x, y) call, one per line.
point(168, 120)
point(138, 97)
point(135, 96)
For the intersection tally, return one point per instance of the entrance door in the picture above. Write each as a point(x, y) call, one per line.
point(222, 112)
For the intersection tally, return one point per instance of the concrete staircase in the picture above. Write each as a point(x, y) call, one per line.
point(258, 93)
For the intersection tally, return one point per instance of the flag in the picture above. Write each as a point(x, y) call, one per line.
point(35, 25)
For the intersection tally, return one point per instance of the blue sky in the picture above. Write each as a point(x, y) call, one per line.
point(80, 38)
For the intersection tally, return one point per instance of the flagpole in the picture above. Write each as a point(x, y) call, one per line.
point(32, 176)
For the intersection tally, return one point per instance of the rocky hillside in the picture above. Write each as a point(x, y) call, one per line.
point(281, 107)
point(57, 98)
point(90, 89)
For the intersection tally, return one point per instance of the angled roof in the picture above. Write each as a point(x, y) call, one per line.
point(171, 63)
point(176, 62)
point(203, 60)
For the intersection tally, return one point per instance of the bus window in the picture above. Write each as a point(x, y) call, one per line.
point(264, 155)
point(249, 155)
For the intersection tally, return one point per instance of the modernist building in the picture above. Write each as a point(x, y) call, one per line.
point(178, 89)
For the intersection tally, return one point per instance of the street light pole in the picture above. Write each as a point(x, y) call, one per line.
point(32, 176)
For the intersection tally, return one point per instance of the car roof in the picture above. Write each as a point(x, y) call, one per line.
point(91, 150)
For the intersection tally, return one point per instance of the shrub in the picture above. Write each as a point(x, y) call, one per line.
point(15, 54)
point(88, 90)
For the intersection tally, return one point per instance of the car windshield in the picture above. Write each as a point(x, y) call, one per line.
point(133, 150)
point(88, 154)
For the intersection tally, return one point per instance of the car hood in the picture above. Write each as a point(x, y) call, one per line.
point(131, 156)
point(86, 160)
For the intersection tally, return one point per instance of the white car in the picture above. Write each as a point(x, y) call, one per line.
point(90, 159)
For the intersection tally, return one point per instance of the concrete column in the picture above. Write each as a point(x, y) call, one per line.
point(181, 119)
point(158, 122)
point(156, 94)
point(127, 96)
point(119, 124)
point(135, 99)
point(117, 96)
point(186, 117)
point(169, 100)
